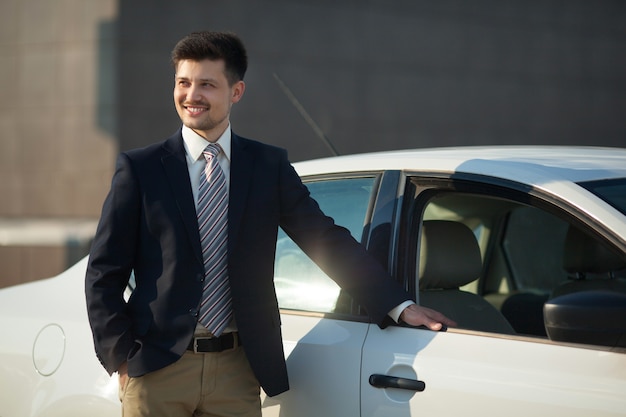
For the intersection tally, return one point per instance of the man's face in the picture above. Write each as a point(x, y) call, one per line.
point(203, 97)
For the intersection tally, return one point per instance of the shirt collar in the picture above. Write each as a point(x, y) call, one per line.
point(195, 144)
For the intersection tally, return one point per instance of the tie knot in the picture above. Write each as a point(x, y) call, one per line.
point(211, 151)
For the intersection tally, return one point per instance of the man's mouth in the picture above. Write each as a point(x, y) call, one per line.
point(195, 109)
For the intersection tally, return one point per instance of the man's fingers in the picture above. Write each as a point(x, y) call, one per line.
point(439, 317)
point(423, 316)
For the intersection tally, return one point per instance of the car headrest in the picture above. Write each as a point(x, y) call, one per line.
point(449, 255)
point(584, 254)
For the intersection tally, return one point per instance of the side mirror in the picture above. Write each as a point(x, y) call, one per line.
point(591, 317)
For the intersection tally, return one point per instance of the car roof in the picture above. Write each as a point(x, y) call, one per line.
point(532, 165)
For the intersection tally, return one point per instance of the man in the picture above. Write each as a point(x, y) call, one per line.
point(198, 224)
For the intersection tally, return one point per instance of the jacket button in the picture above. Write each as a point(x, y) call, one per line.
point(200, 277)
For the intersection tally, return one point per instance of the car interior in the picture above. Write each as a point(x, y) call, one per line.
point(519, 256)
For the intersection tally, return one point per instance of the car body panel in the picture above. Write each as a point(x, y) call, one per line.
point(509, 162)
point(78, 386)
point(485, 375)
point(320, 353)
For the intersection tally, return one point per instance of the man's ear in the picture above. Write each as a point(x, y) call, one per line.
point(237, 91)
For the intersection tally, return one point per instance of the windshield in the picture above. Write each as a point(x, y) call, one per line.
point(612, 191)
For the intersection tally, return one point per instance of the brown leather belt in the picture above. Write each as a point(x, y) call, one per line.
point(214, 344)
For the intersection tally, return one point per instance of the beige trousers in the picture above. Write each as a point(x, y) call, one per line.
point(198, 385)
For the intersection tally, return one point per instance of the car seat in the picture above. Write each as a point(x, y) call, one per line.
point(590, 265)
point(449, 257)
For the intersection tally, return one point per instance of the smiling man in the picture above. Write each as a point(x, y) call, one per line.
point(196, 218)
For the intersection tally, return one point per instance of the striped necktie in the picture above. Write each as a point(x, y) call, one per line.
point(216, 305)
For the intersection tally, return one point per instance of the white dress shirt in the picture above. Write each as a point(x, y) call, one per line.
point(194, 146)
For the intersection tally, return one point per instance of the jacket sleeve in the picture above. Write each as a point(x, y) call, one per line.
point(109, 268)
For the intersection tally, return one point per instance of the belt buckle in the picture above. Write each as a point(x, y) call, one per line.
point(195, 342)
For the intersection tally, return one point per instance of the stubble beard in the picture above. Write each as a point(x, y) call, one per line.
point(206, 123)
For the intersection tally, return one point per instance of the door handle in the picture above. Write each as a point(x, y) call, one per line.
point(386, 381)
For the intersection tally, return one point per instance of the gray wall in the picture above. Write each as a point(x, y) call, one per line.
point(381, 75)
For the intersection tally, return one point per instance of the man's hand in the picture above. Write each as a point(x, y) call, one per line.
point(415, 315)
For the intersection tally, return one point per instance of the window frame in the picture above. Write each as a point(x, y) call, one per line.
point(420, 188)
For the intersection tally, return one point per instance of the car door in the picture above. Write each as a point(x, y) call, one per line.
point(323, 332)
point(483, 368)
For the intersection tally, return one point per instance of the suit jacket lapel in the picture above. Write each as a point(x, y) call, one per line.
point(241, 169)
point(175, 165)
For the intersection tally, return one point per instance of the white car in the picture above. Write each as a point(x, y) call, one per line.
point(525, 247)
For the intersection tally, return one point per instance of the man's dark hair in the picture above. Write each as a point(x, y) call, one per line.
point(226, 46)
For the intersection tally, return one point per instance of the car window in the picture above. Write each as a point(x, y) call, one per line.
point(519, 257)
point(612, 191)
point(300, 284)
point(533, 246)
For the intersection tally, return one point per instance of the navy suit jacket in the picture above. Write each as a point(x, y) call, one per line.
point(149, 225)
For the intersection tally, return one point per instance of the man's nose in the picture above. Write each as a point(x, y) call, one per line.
point(193, 93)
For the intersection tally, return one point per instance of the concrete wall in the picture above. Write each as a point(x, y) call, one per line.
point(82, 79)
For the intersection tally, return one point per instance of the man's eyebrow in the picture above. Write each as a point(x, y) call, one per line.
point(204, 80)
